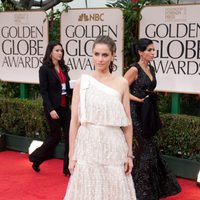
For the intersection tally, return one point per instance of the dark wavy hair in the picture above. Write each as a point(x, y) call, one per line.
point(140, 45)
point(47, 57)
point(102, 39)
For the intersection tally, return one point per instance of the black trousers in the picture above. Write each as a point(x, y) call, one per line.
point(57, 126)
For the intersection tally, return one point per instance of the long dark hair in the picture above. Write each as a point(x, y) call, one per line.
point(102, 39)
point(47, 58)
point(140, 45)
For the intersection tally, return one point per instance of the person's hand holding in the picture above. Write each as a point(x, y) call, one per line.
point(141, 100)
point(72, 164)
point(54, 114)
point(128, 166)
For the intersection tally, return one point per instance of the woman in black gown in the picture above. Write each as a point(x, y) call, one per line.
point(151, 177)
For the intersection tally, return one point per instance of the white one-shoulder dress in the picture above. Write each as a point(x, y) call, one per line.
point(100, 148)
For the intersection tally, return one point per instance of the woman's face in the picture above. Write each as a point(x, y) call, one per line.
point(102, 56)
point(56, 53)
point(148, 54)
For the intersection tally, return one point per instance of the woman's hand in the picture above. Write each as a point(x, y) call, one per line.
point(72, 164)
point(54, 114)
point(141, 100)
point(128, 166)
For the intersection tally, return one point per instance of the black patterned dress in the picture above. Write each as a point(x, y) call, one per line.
point(152, 179)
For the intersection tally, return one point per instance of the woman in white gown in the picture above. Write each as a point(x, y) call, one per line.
point(100, 151)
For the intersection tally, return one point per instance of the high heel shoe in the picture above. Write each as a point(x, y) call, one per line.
point(66, 173)
point(35, 166)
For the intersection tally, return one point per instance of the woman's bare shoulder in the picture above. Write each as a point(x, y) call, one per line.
point(132, 69)
point(120, 80)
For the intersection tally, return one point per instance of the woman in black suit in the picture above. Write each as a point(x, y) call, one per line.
point(54, 88)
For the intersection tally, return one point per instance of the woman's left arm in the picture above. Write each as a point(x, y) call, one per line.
point(128, 130)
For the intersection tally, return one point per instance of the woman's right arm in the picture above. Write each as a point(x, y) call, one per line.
point(43, 83)
point(131, 76)
point(74, 125)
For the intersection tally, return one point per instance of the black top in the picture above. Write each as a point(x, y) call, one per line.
point(143, 84)
point(148, 115)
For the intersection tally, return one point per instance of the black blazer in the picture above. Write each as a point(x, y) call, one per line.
point(50, 87)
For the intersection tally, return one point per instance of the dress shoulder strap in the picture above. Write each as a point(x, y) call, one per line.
point(85, 82)
point(151, 68)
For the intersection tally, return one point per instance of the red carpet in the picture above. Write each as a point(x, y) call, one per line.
point(19, 182)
